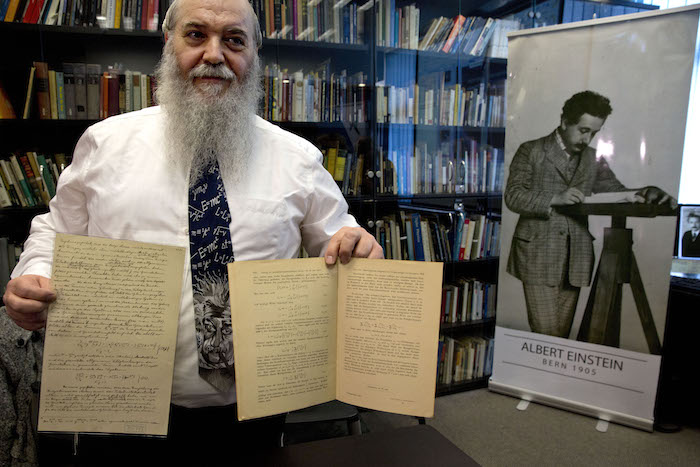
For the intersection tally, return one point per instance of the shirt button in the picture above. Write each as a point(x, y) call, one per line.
point(20, 342)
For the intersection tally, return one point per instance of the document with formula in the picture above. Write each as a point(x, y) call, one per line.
point(110, 336)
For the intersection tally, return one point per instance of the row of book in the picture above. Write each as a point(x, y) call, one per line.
point(316, 96)
point(452, 167)
point(29, 179)
point(473, 35)
point(463, 359)
point(438, 103)
point(83, 91)
point(468, 300)
point(115, 14)
point(336, 21)
point(346, 168)
point(9, 255)
point(453, 236)
point(344, 22)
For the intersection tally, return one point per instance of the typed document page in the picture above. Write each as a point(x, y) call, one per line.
point(388, 329)
point(283, 314)
point(110, 336)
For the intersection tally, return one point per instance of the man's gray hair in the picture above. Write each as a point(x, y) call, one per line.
point(171, 19)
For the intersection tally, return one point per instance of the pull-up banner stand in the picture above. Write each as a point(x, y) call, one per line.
point(596, 131)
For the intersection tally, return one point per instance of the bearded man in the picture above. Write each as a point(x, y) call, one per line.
point(139, 176)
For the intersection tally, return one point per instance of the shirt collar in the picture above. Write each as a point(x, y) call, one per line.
point(560, 141)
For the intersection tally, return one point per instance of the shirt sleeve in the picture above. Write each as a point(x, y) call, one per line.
point(327, 210)
point(67, 214)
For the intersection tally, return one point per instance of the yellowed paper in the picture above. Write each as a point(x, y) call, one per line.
point(283, 315)
point(388, 330)
point(110, 336)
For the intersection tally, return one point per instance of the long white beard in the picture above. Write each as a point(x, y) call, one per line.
point(208, 124)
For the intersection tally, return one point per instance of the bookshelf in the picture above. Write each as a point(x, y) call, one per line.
point(342, 76)
point(410, 131)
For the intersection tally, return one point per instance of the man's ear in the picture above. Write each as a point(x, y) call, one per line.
point(167, 36)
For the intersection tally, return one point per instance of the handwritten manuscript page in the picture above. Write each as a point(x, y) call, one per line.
point(110, 336)
point(388, 330)
point(283, 315)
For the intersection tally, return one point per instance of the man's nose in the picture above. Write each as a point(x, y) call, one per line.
point(587, 138)
point(214, 52)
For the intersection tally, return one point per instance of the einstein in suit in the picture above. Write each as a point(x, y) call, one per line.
point(552, 253)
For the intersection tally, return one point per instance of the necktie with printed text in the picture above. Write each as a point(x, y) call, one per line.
point(210, 251)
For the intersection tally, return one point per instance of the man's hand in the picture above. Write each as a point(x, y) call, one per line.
point(567, 197)
point(27, 298)
point(655, 195)
point(352, 241)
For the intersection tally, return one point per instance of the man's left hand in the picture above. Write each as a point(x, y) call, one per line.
point(655, 195)
point(352, 242)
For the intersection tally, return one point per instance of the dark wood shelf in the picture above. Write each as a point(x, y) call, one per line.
point(495, 131)
point(52, 136)
point(289, 43)
point(81, 30)
point(478, 383)
point(459, 59)
point(451, 329)
point(332, 126)
point(26, 212)
point(403, 198)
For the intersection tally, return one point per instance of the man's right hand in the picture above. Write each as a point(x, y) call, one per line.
point(567, 197)
point(27, 298)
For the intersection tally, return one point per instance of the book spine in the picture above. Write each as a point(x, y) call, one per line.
point(21, 180)
point(80, 82)
point(42, 90)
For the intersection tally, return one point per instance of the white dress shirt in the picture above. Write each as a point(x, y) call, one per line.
point(121, 186)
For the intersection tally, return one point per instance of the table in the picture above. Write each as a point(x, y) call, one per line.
point(419, 445)
point(617, 266)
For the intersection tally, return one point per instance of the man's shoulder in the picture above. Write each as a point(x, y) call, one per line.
point(283, 141)
point(539, 146)
point(128, 123)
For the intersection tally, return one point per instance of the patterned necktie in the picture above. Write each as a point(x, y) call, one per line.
point(210, 251)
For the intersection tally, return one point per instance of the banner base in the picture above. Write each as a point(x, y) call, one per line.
point(572, 406)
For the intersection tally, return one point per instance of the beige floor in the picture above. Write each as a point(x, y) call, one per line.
point(489, 428)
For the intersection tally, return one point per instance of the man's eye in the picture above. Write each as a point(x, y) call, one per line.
point(237, 41)
point(195, 35)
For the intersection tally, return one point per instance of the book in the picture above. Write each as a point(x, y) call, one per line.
point(305, 333)
point(136, 90)
point(52, 95)
point(45, 173)
point(93, 90)
point(22, 182)
point(43, 98)
point(60, 96)
point(6, 110)
point(11, 184)
point(69, 91)
point(5, 198)
point(80, 83)
point(11, 11)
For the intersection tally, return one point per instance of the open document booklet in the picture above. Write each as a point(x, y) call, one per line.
point(304, 333)
point(365, 333)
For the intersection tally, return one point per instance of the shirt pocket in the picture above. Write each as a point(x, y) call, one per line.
point(261, 229)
